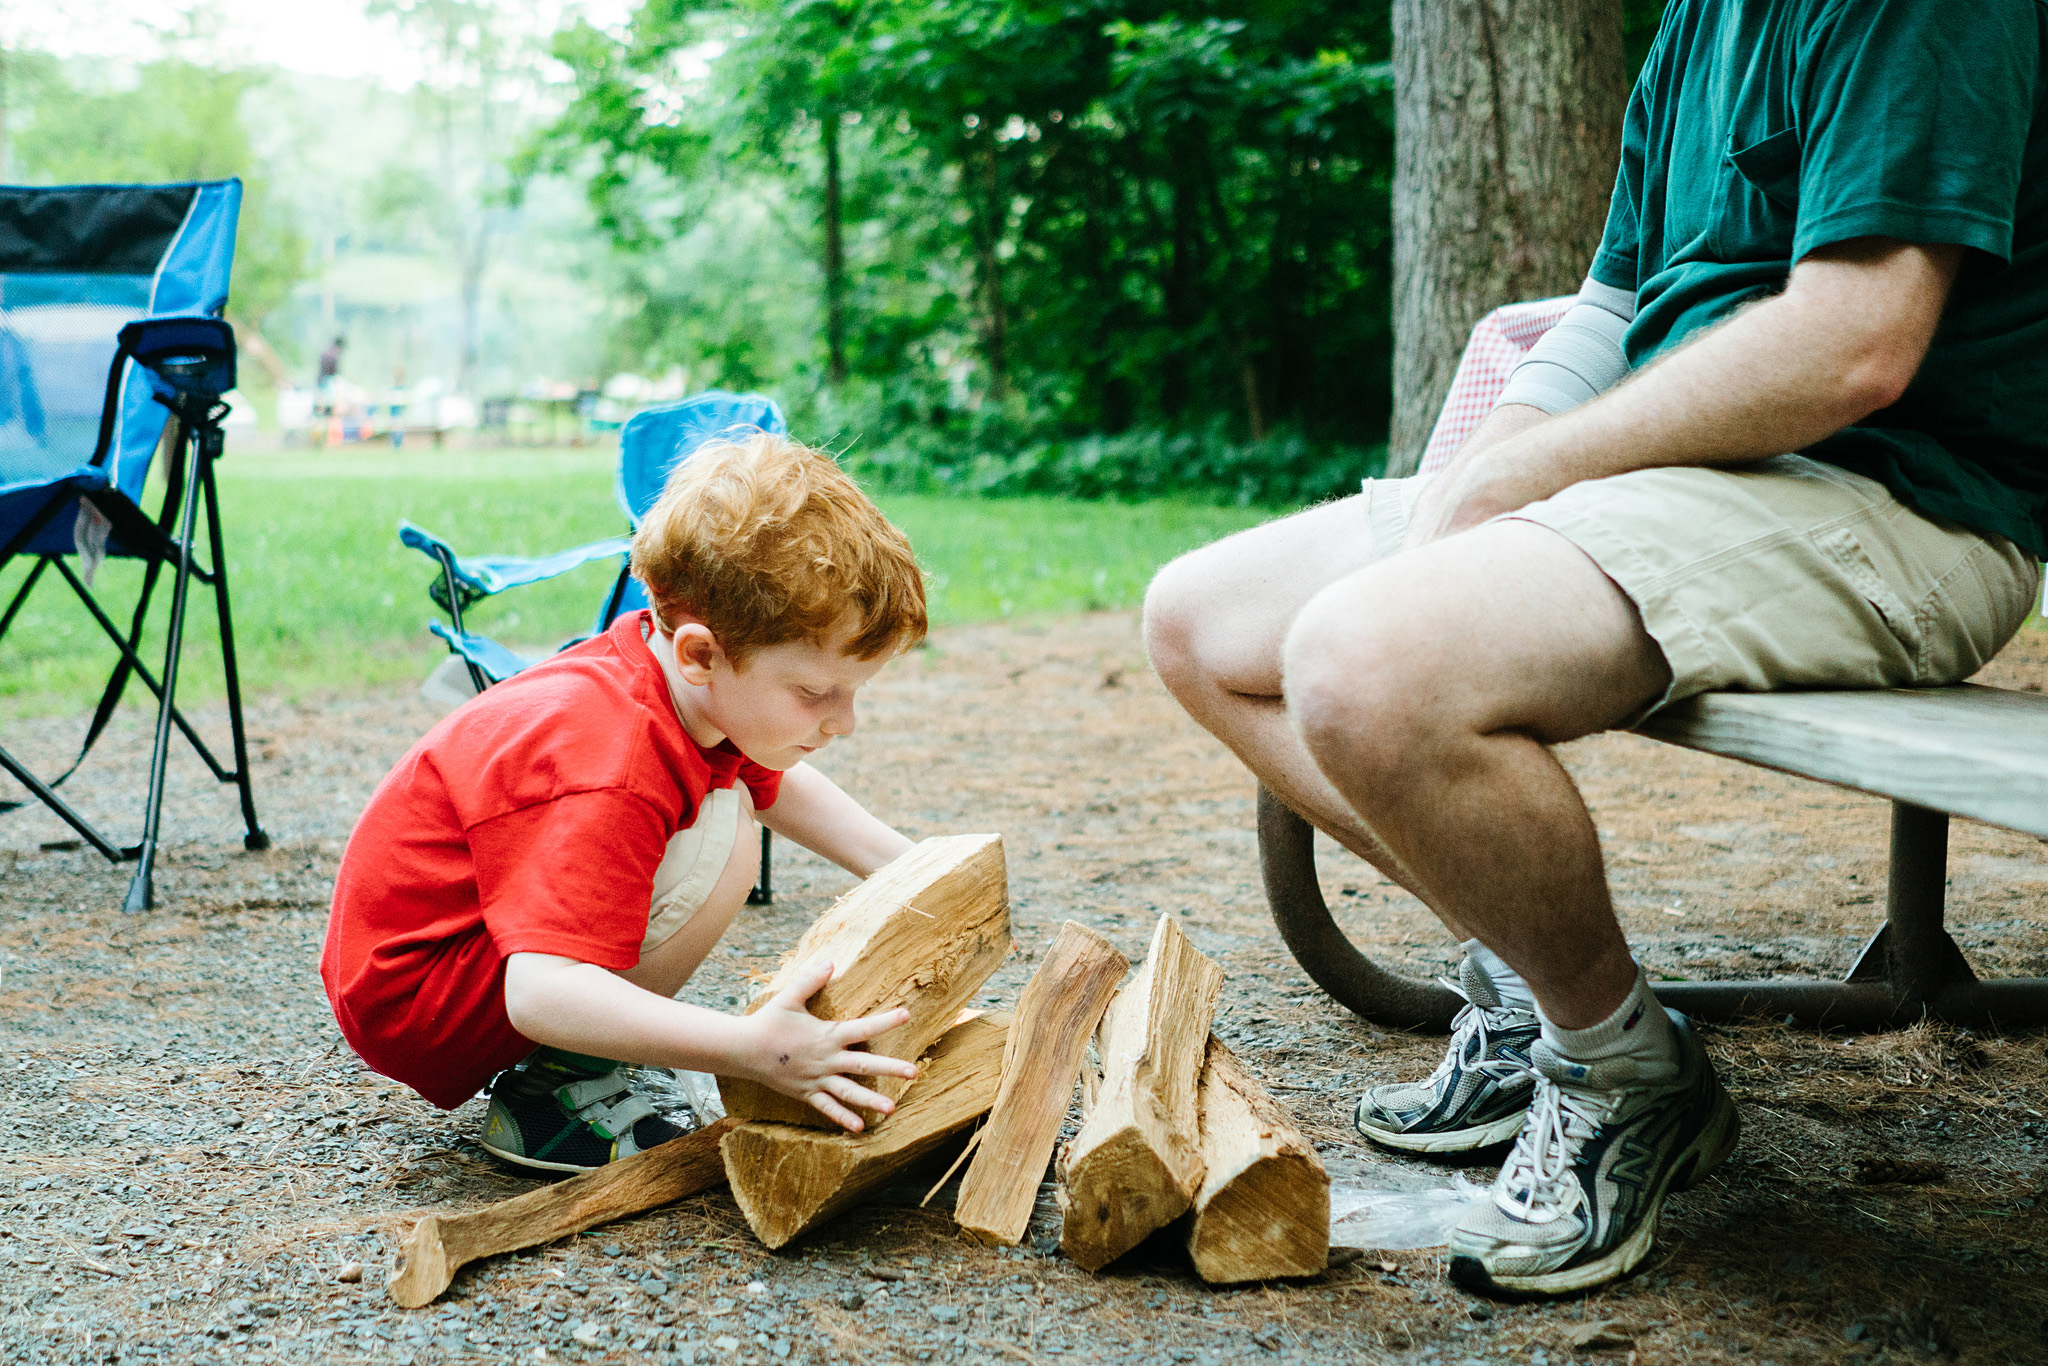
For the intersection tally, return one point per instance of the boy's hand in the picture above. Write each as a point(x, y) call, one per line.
point(813, 1060)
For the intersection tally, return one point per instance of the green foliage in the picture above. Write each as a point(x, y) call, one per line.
point(1060, 216)
point(325, 597)
point(1206, 464)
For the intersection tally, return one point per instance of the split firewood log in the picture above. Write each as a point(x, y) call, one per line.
point(442, 1244)
point(790, 1178)
point(1137, 1162)
point(925, 932)
point(1264, 1207)
point(1060, 1007)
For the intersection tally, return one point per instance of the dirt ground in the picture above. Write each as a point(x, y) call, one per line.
point(191, 1160)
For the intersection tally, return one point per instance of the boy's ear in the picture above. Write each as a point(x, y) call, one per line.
point(697, 653)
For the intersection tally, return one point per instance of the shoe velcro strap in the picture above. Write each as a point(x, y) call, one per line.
point(576, 1095)
point(610, 1121)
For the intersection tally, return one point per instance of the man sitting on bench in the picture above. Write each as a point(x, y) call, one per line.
point(1829, 236)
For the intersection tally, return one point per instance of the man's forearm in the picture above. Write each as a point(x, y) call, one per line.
point(1780, 375)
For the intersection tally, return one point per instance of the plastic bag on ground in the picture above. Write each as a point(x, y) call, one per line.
point(1393, 1220)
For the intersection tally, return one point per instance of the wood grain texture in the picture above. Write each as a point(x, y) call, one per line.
point(1057, 1012)
point(790, 1178)
point(1970, 750)
point(442, 1244)
point(1136, 1163)
point(1264, 1207)
point(924, 932)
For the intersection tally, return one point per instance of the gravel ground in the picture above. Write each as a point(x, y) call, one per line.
point(194, 1168)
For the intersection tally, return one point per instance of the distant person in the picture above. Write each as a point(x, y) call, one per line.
point(530, 887)
point(330, 361)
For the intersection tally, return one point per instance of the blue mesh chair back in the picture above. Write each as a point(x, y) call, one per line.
point(654, 442)
point(77, 262)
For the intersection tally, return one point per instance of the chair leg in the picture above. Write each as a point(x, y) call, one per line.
point(254, 839)
point(28, 585)
point(49, 798)
point(142, 891)
point(763, 892)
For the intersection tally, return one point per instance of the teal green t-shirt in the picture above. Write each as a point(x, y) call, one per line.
point(1761, 130)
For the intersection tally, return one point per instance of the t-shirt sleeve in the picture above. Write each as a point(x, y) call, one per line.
point(1616, 263)
point(763, 784)
point(1914, 122)
point(571, 876)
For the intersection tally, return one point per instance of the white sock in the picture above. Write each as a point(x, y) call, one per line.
point(1513, 991)
point(1638, 1030)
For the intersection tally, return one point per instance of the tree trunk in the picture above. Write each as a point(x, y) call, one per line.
point(1507, 132)
point(995, 217)
point(835, 256)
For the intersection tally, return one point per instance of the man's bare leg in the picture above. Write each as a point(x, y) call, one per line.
point(1215, 622)
point(1428, 688)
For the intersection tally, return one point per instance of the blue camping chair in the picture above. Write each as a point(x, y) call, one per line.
point(651, 445)
point(111, 349)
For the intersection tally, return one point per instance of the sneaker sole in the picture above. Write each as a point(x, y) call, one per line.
point(1701, 1156)
point(1448, 1141)
point(533, 1163)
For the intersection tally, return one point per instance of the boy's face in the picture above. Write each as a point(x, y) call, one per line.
point(783, 704)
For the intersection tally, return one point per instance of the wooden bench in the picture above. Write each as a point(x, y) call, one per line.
point(1967, 750)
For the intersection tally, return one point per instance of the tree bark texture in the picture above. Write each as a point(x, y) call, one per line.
point(1507, 132)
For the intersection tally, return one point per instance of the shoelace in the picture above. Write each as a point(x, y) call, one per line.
point(1471, 1022)
point(1530, 1186)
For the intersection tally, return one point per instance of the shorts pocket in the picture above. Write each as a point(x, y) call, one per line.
point(1843, 550)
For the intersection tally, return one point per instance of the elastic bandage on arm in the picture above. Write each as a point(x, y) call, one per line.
point(1580, 358)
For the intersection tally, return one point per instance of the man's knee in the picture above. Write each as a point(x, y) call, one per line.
point(1350, 681)
point(1171, 620)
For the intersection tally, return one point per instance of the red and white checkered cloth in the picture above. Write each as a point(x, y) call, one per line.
point(1498, 344)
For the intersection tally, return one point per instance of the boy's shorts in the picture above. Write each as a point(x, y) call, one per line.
point(442, 1019)
point(1782, 574)
point(691, 866)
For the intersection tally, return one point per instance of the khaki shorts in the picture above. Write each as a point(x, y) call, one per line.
point(691, 865)
point(1788, 573)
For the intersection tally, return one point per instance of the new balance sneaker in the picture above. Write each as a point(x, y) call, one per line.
point(1478, 1093)
point(1577, 1203)
point(563, 1112)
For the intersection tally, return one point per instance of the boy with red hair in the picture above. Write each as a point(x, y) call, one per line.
point(532, 884)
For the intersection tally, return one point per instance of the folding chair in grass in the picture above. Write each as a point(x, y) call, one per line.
point(651, 445)
point(112, 349)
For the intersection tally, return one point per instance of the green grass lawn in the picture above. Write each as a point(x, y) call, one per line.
point(326, 600)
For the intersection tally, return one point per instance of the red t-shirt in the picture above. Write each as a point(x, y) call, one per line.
point(531, 820)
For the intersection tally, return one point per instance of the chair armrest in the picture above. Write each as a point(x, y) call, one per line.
point(482, 575)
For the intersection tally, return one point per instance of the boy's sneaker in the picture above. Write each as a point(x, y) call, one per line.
point(563, 1112)
point(1577, 1203)
point(1478, 1093)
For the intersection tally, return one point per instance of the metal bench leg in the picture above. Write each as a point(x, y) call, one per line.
point(1911, 969)
point(1287, 859)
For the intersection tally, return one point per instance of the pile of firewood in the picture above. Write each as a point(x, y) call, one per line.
point(1174, 1128)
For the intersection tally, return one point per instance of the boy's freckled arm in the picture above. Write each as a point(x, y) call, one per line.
point(812, 810)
